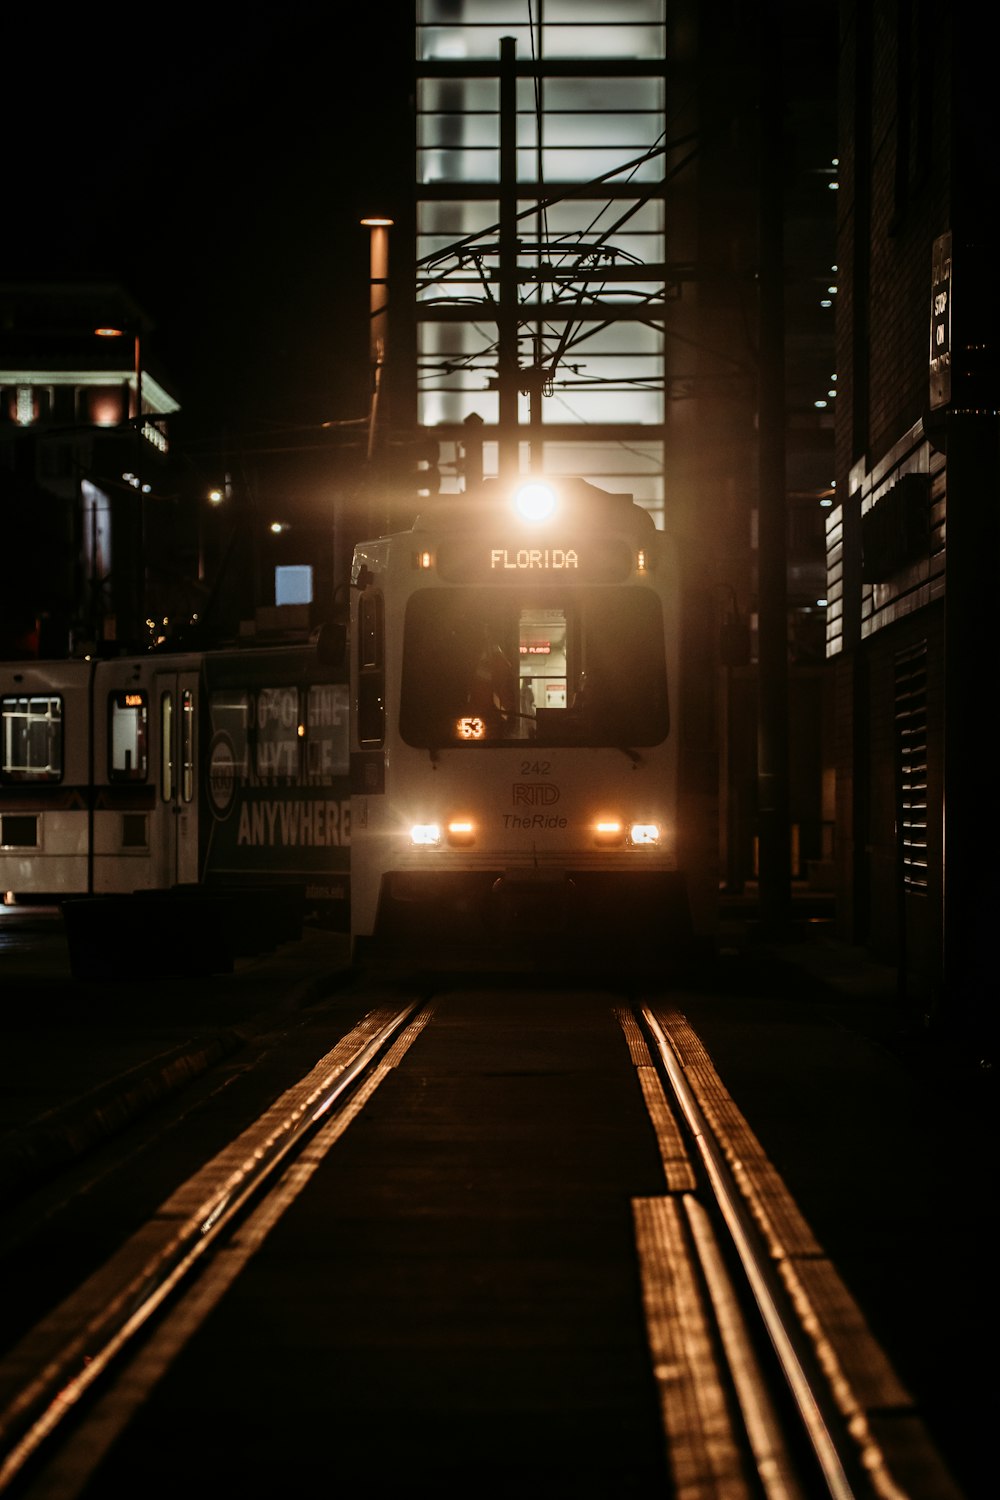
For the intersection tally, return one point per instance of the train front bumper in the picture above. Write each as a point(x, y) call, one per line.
point(502, 904)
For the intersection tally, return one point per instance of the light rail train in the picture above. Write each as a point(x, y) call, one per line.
point(518, 743)
point(532, 728)
point(222, 770)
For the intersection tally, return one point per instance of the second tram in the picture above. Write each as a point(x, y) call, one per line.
point(224, 771)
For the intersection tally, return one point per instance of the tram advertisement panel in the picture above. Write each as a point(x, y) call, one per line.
point(277, 785)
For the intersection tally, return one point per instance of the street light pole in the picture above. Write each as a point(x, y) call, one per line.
point(378, 317)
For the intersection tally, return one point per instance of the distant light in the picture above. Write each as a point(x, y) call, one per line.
point(376, 223)
point(832, 290)
point(825, 302)
point(822, 603)
point(820, 404)
point(110, 333)
point(826, 502)
point(278, 526)
point(215, 496)
point(833, 186)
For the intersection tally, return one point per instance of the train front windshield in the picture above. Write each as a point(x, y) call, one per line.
point(580, 667)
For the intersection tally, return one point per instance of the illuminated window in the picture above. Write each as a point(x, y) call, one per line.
point(32, 748)
point(187, 745)
point(128, 727)
point(167, 746)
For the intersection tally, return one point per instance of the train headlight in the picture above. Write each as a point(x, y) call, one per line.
point(461, 832)
point(609, 831)
point(425, 835)
point(644, 834)
point(535, 501)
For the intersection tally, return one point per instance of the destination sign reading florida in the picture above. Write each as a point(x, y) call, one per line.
point(529, 559)
point(467, 559)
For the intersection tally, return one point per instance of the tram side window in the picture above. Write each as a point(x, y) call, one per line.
point(167, 746)
point(32, 738)
point(371, 670)
point(277, 737)
point(328, 750)
point(229, 755)
point(128, 731)
point(187, 745)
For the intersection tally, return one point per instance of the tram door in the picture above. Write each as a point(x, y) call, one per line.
point(176, 841)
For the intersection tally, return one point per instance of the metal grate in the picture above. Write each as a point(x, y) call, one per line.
point(911, 766)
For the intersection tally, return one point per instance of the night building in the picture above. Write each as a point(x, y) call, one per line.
point(912, 542)
point(83, 456)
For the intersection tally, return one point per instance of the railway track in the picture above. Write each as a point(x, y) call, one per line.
point(510, 1119)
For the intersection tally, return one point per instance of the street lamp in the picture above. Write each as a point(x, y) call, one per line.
point(378, 281)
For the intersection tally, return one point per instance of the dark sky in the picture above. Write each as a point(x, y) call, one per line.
point(216, 161)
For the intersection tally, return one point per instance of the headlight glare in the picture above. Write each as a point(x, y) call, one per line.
point(535, 501)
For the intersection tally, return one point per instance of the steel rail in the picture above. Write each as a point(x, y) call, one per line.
point(36, 1412)
point(758, 1273)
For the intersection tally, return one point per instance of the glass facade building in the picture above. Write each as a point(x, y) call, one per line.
point(553, 113)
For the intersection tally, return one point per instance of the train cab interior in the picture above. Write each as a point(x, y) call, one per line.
point(572, 666)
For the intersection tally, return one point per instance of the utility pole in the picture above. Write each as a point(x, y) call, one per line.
point(508, 379)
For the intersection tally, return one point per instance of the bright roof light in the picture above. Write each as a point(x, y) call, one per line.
point(535, 502)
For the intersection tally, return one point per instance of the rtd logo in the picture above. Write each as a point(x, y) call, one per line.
point(534, 793)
